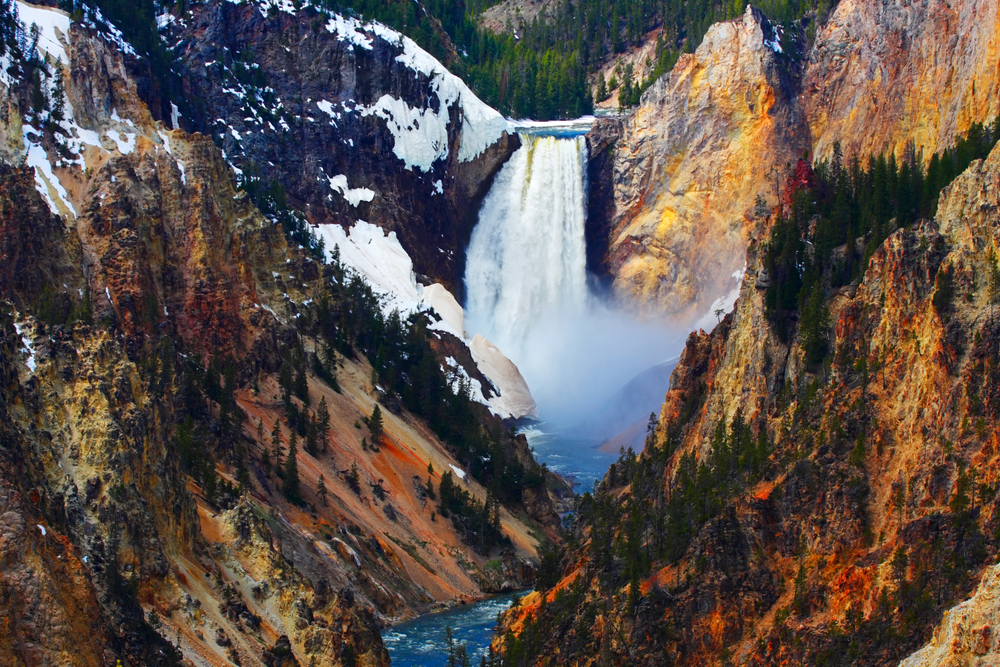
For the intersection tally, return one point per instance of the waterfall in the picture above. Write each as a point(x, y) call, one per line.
point(526, 284)
point(527, 256)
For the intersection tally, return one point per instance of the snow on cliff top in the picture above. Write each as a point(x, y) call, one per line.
point(421, 134)
point(48, 22)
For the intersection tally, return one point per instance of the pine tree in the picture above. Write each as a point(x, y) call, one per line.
point(311, 437)
point(449, 642)
point(993, 287)
point(276, 444)
point(321, 490)
point(324, 425)
point(290, 484)
point(301, 385)
point(58, 96)
point(354, 479)
point(265, 461)
point(375, 426)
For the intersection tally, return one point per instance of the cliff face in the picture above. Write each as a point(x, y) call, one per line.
point(354, 121)
point(966, 635)
point(692, 158)
point(862, 523)
point(885, 74)
point(711, 136)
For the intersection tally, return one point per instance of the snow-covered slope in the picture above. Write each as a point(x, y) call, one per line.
point(379, 258)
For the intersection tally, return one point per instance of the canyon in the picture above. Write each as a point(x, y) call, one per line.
point(270, 327)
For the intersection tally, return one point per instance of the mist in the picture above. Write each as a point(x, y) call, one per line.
point(528, 292)
point(574, 362)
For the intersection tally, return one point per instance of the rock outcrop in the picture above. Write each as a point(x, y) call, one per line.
point(721, 128)
point(885, 75)
point(353, 121)
point(706, 139)
point(966, 635)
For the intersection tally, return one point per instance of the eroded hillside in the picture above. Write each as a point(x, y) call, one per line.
point(204, 456)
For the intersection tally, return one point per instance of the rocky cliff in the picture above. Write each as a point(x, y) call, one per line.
point(347, 120)
point(883, 75)
point(712, 135)
point(705, 141)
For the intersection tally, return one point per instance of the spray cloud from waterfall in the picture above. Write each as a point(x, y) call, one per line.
point(527, 288)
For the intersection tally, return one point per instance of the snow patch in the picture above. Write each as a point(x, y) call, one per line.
point(125, 145)
point(28, 348)
point(381, 261)
point(459, 378)
point(378, 258)
point(421, 134)
point(354, 196)
point(349, 30)
point(514, 399)
point(41, 528)
point(49, 21)
point(44, 177)
point(725, 303)
point(458, 471)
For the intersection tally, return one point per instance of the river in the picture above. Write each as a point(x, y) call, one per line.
point(421, 642)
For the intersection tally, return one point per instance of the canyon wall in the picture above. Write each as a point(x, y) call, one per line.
point(706, 139)
point(862, 524)
point(148, 307)
point(728, 121)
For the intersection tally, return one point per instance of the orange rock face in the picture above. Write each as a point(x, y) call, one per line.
point(867, 526)
point(886, 74)
point(704, 142)
point(721, 128)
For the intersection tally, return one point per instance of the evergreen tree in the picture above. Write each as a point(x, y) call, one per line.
point(321, 490)
point(276, 444)
point(311, 437)
point(324, 425)
point(353, 478)
point(449, 642)
point(290, 484)
point(375, 426)
point(265, 461)
point(58, 96)
point(301, 384)
point(601, 93)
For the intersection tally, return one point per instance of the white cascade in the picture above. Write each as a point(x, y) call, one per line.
point(527, 256)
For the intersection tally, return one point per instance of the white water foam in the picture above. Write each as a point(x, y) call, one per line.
point(528, 257)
